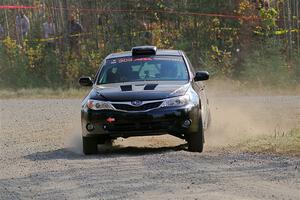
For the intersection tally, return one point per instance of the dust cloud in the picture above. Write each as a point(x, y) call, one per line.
point(72, 137)
point(240, 114)
point(233, 122)
point(236, 115)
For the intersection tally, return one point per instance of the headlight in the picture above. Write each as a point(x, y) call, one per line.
point(176, 101)
point(99, 105)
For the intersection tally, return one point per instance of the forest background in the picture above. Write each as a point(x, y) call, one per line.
point(253, 42)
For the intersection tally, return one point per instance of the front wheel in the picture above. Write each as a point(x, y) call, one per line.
point(89, 145)
point(196, 140)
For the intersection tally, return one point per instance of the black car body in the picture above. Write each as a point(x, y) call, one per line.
point(145, 92)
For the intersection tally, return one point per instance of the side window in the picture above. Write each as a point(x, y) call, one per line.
point(98, 72)
point(190, 65)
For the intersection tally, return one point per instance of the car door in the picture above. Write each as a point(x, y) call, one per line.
point(199, 87)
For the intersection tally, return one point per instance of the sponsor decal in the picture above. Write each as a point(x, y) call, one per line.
point(110, 120)
point(144, 59)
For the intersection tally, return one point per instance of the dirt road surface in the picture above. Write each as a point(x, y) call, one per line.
point(40, 155)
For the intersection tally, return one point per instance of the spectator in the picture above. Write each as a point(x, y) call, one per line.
point(75, 30)
point(262, 4)
point(22, 26)
point(147, 37)
point(1, 32)
point(49, 31)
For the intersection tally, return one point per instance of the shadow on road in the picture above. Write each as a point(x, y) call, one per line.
point(69, 154)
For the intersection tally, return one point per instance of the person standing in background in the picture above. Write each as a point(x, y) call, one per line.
point(147, 36)
point(49, 32)
point(2, 33)
point(75, 30)
point(22, 26)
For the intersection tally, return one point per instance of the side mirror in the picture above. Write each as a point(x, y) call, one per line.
point(201, 76)
point(86, 81)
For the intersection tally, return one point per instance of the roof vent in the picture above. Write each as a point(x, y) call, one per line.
point(144, 50)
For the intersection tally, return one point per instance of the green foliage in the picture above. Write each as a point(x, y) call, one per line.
point(39, 65)
point(221, 60)
point(223, 46)
point(296, 68)
point(268, 67)
point(268, 25)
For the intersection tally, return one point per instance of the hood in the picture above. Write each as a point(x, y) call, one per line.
point(139, 91)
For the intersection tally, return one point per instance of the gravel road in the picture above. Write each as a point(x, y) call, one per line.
point(40, 156)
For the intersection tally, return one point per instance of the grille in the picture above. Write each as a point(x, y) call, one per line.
point(143, 107)
point(142, 126)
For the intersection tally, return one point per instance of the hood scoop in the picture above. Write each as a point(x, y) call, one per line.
point(150, 86)
point(143, 91)
point(125, 88)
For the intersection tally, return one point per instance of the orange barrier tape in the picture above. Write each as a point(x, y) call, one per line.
point(140, 11)
point(16, 7)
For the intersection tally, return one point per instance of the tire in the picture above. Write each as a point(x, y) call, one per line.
point(89, 145)
point(109, 142)
point(196, 140)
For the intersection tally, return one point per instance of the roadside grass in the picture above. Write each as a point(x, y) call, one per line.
point(42, 93)
point(225, 86)
point(217, 86)
point(278, 143)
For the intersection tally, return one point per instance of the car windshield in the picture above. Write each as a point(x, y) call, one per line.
point(150, 68)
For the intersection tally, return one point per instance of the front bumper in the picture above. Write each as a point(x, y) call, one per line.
point(154, 122)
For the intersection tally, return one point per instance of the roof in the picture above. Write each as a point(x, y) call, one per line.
point(159, 52)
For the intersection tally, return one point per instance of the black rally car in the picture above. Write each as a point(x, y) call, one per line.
point(144, 92)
